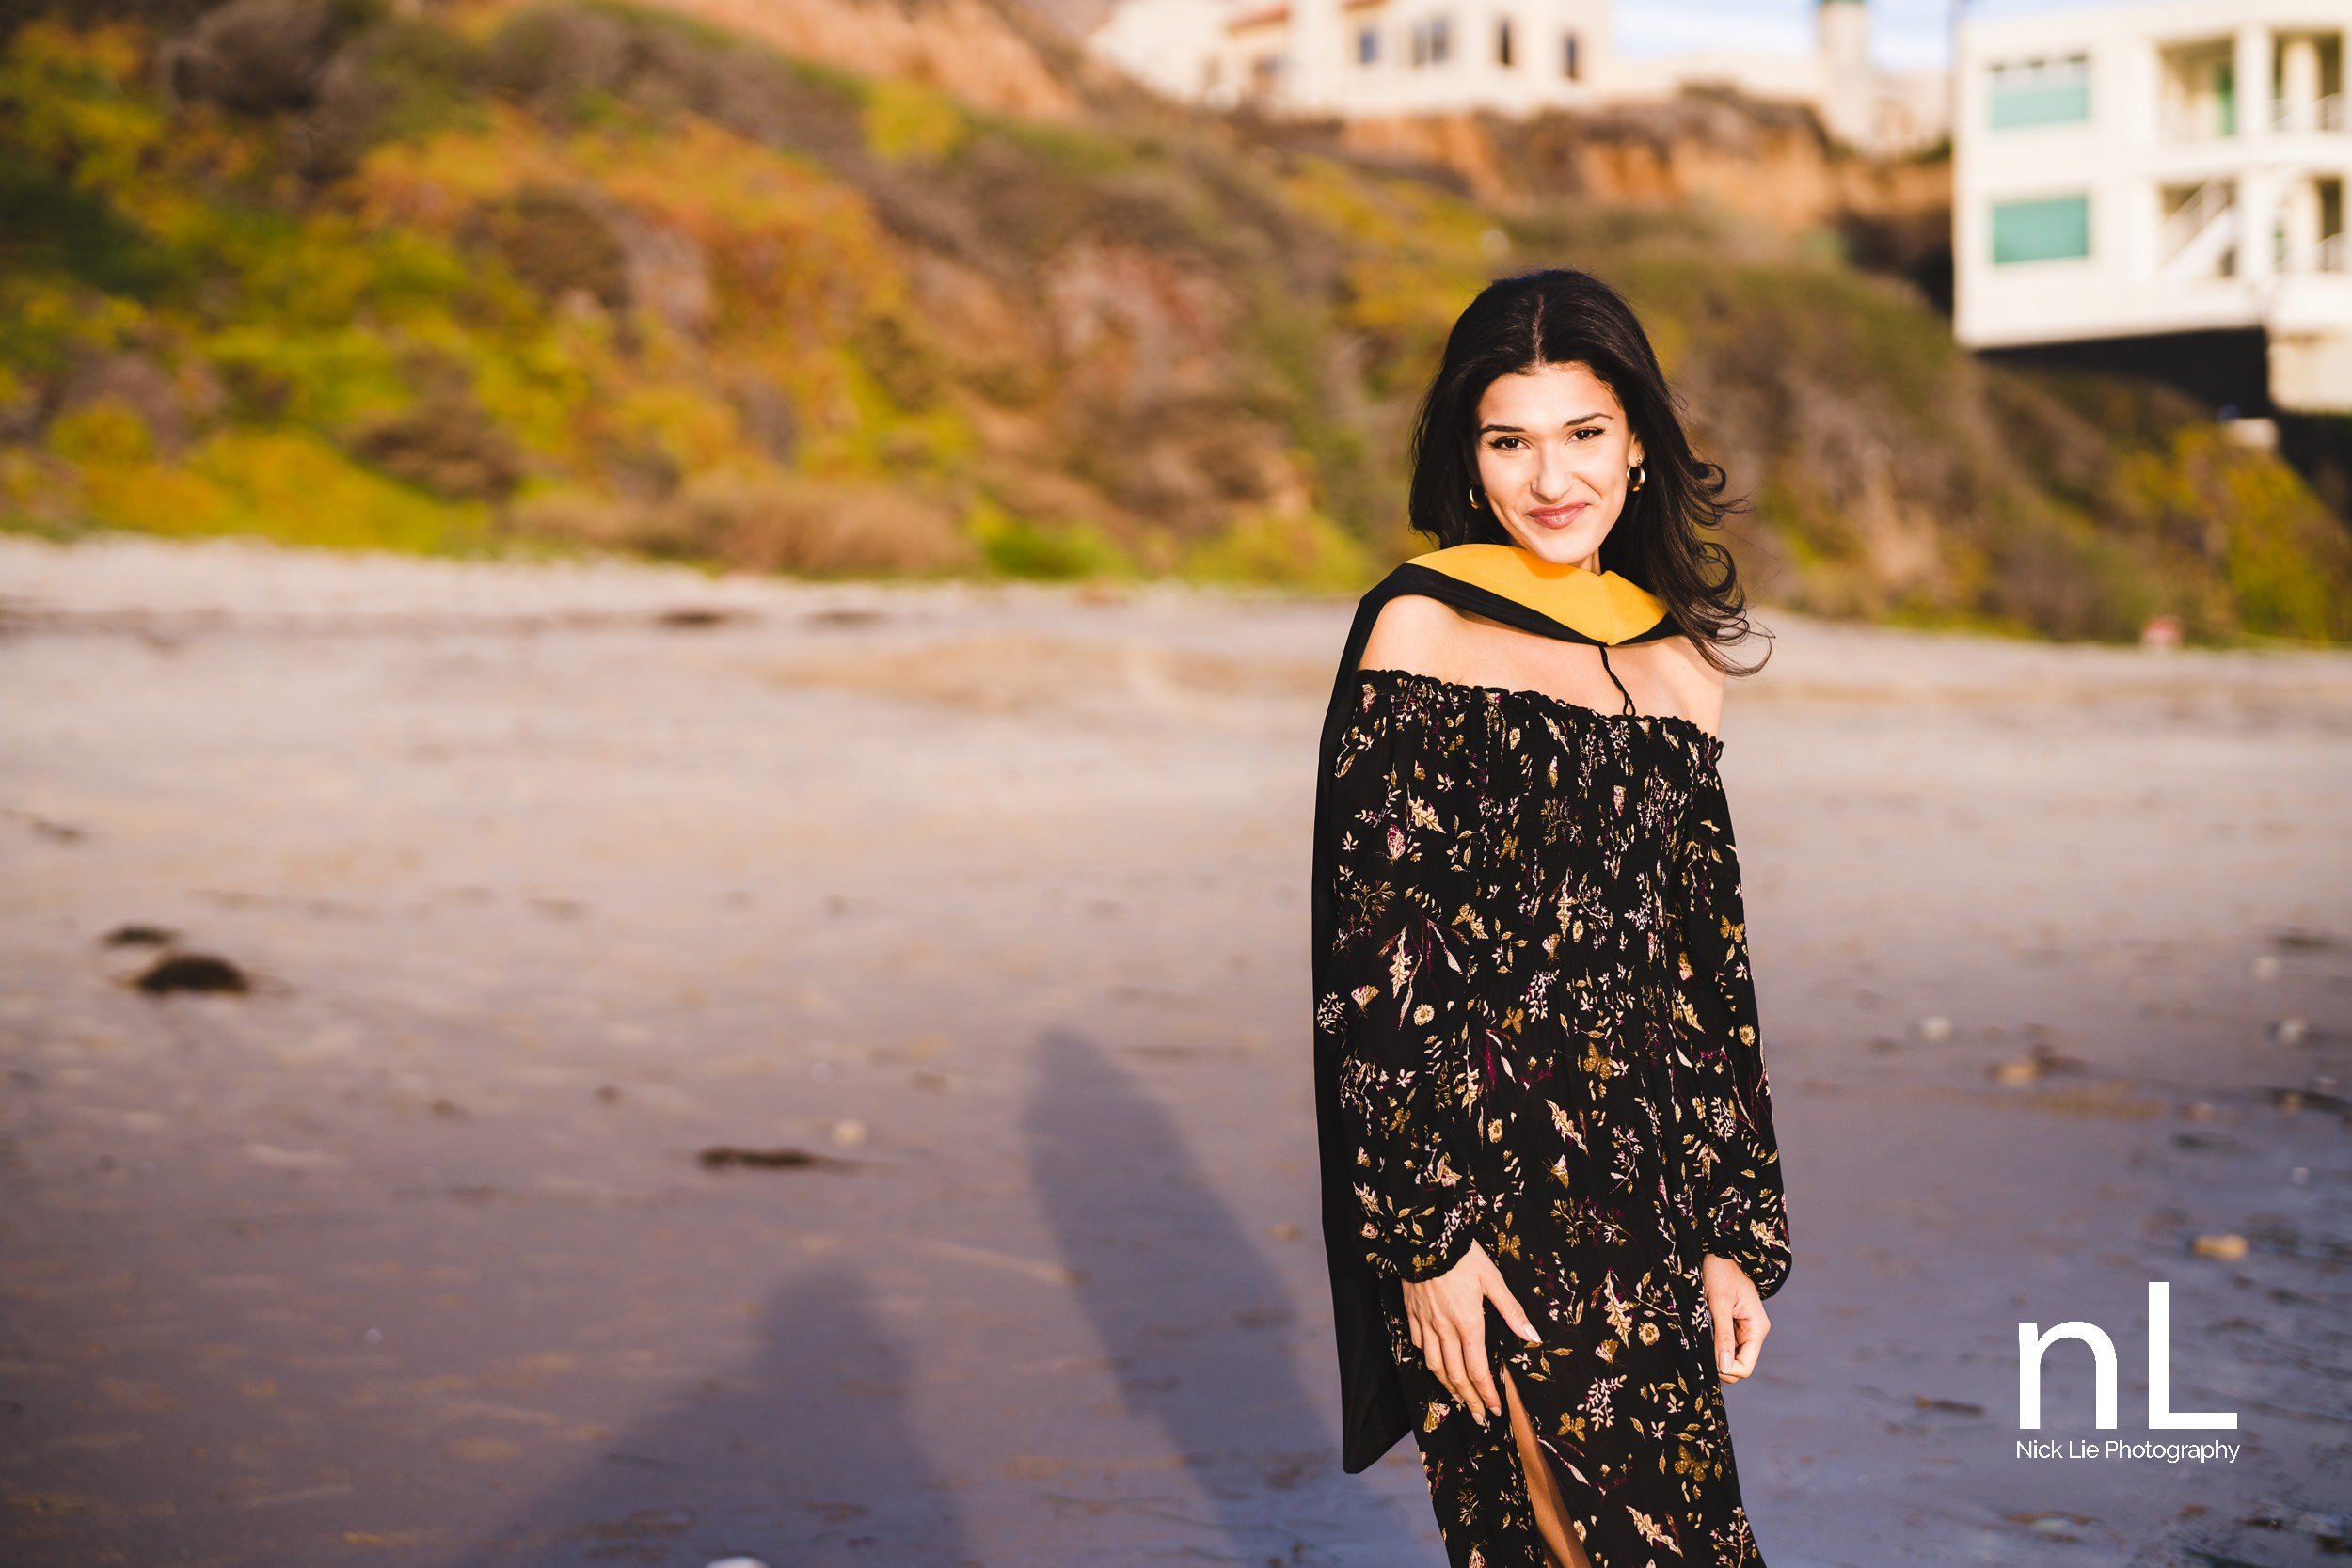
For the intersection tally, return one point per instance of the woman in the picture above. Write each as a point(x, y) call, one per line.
point(1551, 1190)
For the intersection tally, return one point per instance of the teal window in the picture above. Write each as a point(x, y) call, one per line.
point(2040, 92)
point(2046, 229)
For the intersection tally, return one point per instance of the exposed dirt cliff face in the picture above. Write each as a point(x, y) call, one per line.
point(1768, 161)
point(983, 53)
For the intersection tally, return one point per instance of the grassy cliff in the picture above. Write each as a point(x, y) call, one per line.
point(491, 277)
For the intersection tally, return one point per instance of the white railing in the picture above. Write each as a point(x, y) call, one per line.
point(2192, 119)
point(2199, 118)
point(2328, 255)
point(2317, 114)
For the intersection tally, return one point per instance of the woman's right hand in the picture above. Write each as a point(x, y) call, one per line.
point(1448, 1318)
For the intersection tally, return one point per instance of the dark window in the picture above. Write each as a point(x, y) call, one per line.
point(1503, 41)
point(1567, 55)
point(1367, 46)
point(1438, 41)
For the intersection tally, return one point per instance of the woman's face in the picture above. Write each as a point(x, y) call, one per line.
point(1554, 452)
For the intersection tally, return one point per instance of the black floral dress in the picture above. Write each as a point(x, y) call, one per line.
point(1548, 1044)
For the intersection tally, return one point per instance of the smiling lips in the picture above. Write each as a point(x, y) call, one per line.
point(1557, 516)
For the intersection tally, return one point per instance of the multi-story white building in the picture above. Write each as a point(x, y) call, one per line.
point(1374, 57)
point(2140, 171)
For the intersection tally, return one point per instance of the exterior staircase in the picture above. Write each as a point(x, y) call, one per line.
point(2203, 235)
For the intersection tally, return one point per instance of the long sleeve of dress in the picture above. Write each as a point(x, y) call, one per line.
point(1399, 987)
point(1735, 1158)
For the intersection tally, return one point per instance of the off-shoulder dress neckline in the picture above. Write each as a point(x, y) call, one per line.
point(1710, 741)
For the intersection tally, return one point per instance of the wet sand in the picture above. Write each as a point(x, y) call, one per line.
point(547, 881)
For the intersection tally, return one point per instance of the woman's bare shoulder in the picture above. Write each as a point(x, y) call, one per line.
point(1412, 632)
point(1698, 684)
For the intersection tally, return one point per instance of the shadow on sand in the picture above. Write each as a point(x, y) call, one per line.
point(801, 1458)
point(1198, 1325)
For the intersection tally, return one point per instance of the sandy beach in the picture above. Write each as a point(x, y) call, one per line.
point(729, 1066)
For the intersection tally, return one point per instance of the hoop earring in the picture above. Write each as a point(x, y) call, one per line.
point(1473, 495)
point(1640, 474)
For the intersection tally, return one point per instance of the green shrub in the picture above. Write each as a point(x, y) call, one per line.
point(1016, 548)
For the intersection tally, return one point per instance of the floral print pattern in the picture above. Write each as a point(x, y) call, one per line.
point(1548, 1044)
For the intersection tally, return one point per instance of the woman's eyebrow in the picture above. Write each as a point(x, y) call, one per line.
point(1581, 419)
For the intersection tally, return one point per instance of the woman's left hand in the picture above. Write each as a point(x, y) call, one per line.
point(1739, 1313)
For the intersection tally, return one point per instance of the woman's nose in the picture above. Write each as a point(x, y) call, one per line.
point(1556, 474)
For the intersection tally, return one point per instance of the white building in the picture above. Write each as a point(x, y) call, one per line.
point(1861, 104)
point(2139, 170)
point(1372, 57)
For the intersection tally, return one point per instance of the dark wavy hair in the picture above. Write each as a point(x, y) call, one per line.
point(1555, 317)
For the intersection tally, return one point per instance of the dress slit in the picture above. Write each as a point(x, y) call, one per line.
point(1569, 1488)
point(1580, 1499)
